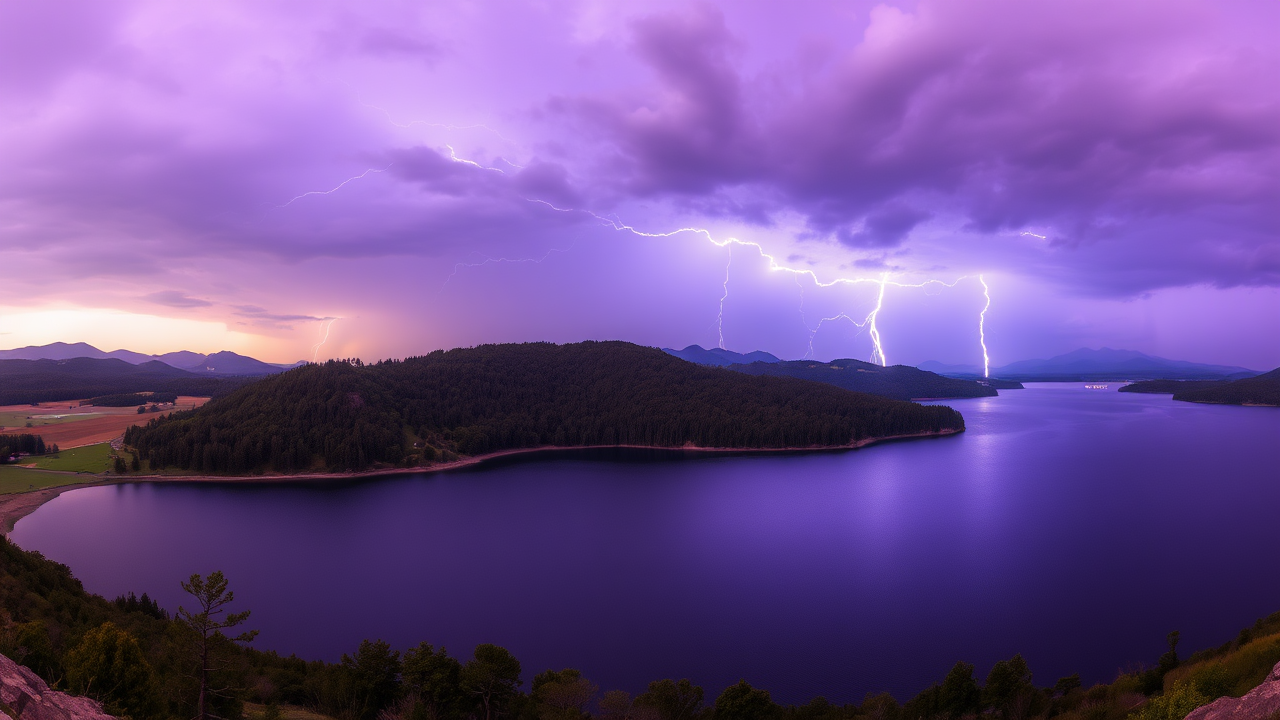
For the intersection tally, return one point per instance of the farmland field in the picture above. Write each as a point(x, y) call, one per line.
point(69, 425)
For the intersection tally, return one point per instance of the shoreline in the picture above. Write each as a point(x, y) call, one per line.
point(16, 506)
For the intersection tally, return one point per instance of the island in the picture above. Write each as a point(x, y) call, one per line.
point(468, 404)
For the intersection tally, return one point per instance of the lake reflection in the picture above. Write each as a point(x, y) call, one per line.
point(1077, 527)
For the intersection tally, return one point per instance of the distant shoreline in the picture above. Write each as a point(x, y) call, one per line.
point(19, 505)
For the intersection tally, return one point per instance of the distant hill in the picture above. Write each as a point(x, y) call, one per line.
point(229, 363)
point(900, 382)
point(491, 398)
point(720, 357)
point(1261, 390)
point(934, 366)
point(1108, 364)
point(67, 351)
point(34, 381)
point(220, 363)
point(969, 372)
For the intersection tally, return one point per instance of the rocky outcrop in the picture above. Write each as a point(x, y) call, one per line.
point(1261, 703)
point(24, 696)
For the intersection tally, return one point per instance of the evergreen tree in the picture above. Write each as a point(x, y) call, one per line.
point(492, 679)
point(207, 624)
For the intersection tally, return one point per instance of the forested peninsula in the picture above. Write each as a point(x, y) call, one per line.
point(1261, 390)
point(346, 416)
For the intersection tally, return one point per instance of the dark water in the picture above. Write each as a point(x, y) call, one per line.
point(1077, 527)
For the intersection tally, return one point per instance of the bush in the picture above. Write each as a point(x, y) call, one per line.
point(109, 666)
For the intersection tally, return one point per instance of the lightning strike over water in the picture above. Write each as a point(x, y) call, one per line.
point(337, 188)
point(982, 328)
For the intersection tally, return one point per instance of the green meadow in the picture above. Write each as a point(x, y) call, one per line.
point(87, 459)
point(15, 479)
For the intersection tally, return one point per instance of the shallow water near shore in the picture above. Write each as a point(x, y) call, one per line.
point(1075, 526)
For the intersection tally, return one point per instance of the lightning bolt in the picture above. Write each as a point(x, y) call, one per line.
point(454, 157)
point(725, 296)
point(338, 187)
point(315, 349)
point(1034, 235)
point(868, 323)
point(982, 328)
point(875, 332)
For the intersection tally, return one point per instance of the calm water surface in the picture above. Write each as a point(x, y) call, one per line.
point(1075, 526)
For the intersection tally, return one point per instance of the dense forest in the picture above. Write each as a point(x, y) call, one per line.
point(1260, 390)
point(351, 416)
point(900, 382)
point(143, 662)
point(36, 381)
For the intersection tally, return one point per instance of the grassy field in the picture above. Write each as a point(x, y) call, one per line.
point(87, 459)
point(14, 479)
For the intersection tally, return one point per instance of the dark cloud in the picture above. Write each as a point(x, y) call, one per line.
point(885, 228)
point(1120, 131)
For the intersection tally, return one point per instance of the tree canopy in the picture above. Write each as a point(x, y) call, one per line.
point(349, 416)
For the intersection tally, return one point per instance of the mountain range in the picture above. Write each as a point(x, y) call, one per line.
point(1077, 365)
point(219, 363)
point(1109, 364)
point(720, 357)
point(899, 382)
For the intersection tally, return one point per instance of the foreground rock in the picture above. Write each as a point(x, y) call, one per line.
point(23, 695)
point(1260, 703)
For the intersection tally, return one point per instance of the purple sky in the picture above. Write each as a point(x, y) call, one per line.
point(236, 175)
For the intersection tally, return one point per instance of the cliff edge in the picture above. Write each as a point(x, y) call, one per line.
point(1260, 703)
point(24, 696)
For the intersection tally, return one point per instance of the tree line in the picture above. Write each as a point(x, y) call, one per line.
point(131, 399)
point(12, 445)
point(344, 415)
point(143, 663)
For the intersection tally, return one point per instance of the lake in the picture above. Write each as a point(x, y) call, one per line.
point(1074, 526)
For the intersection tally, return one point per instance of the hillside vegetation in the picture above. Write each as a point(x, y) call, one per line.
point(350, 416)
point(1261, 390)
